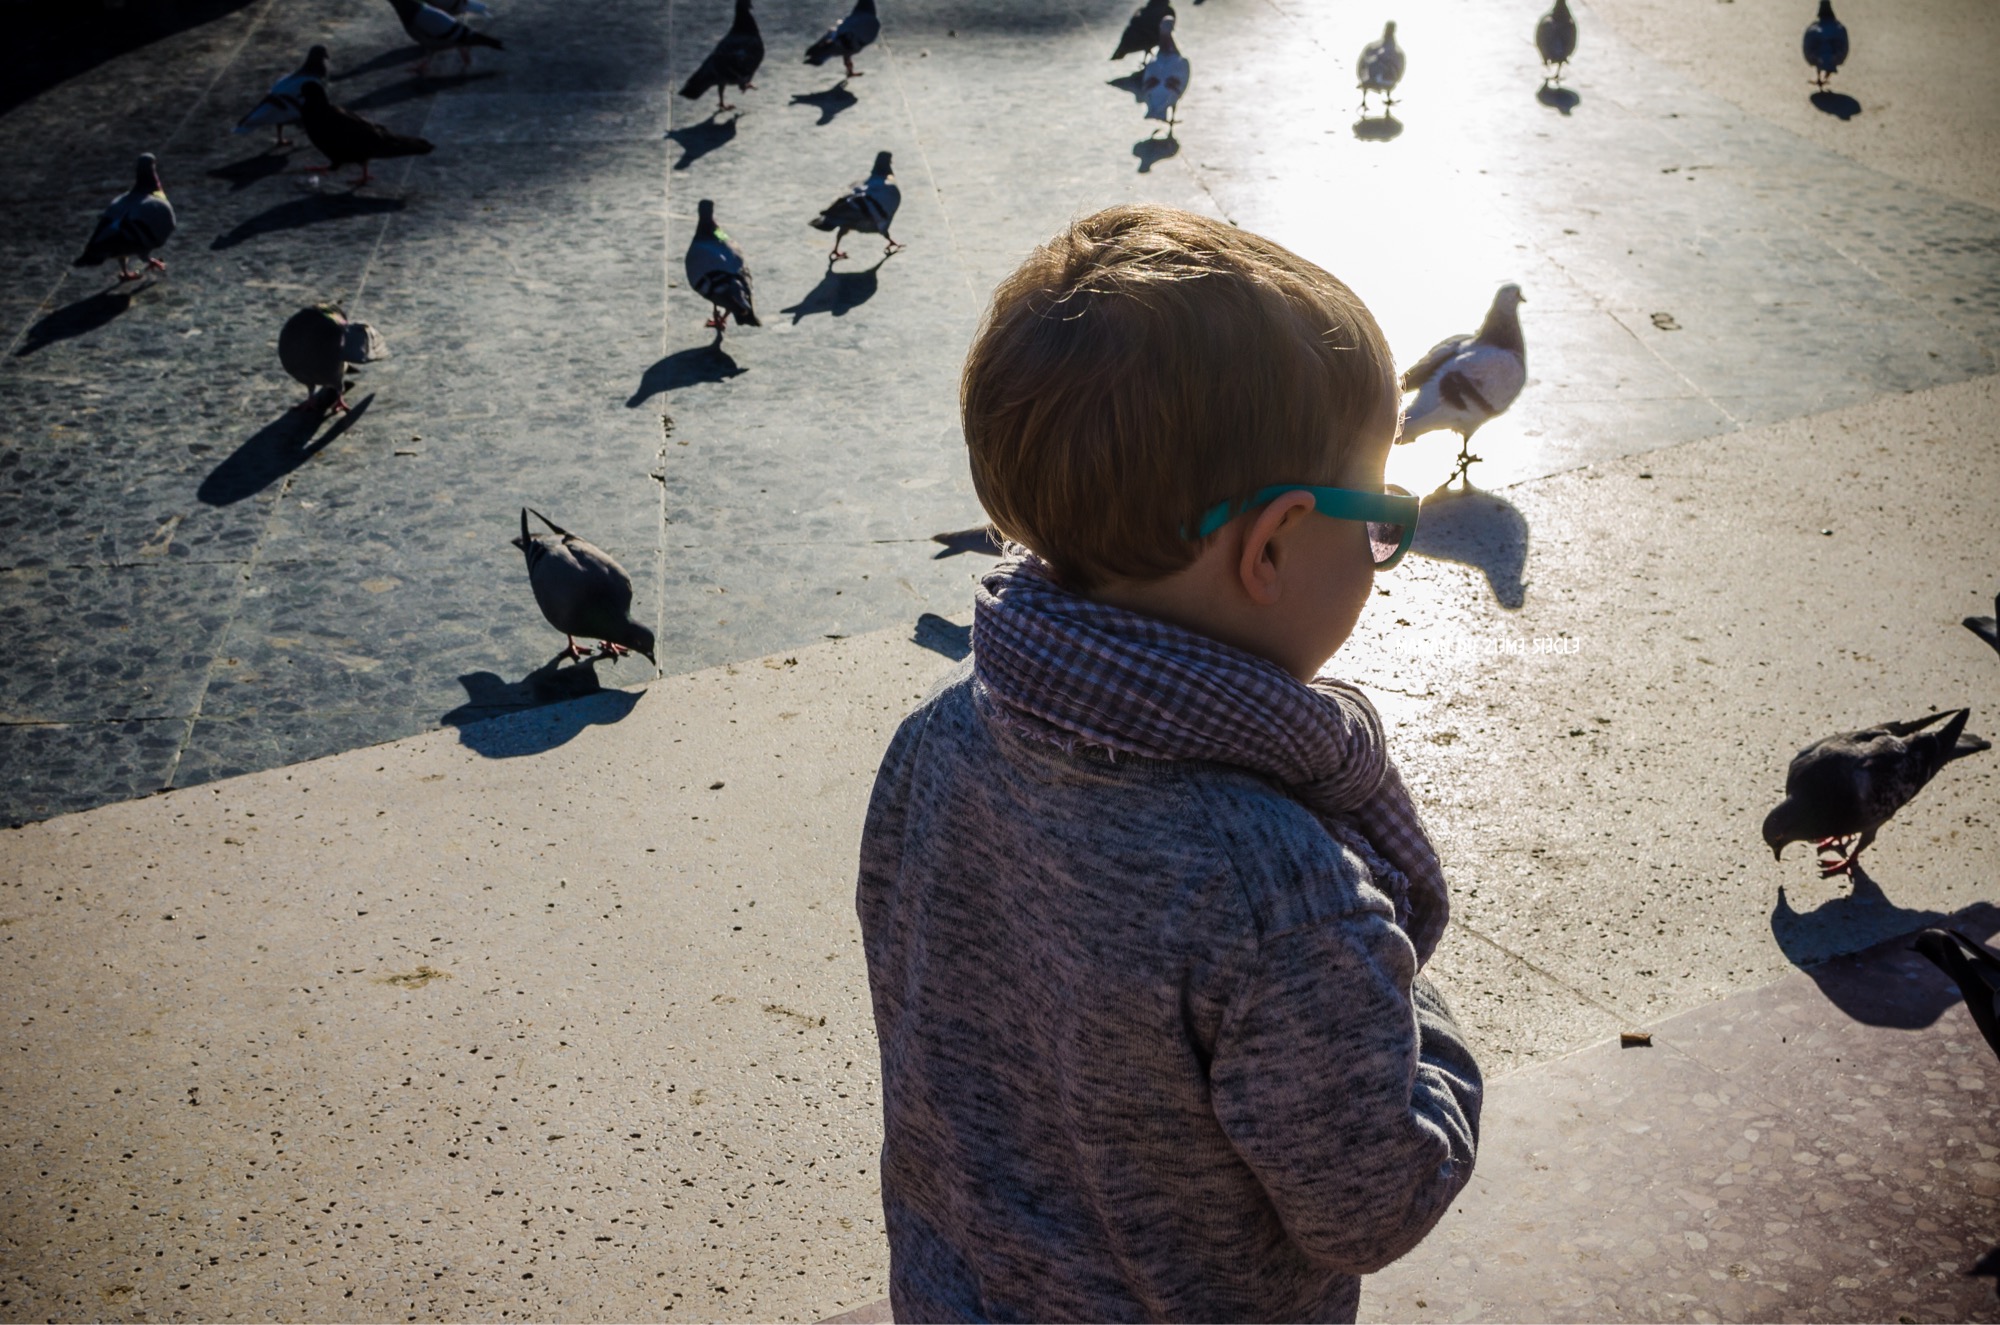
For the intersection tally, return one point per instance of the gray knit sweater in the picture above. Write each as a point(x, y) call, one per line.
point(1152, 1044)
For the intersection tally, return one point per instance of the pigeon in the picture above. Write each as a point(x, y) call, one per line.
point(715, 270)
point(734, 60)
point(1555, 38)
point(1825, 43)
point(582, 591)
point(1380, 68)
point(1854, 782)
point(1142, 33)
point(868, 206)
point(435, 30)
point(280, 105)
point(316, 345)
point(459, 7)
point(1466, 380)
point(1166, 78)
point(1974, 969)
point(137, 222)
point(346, 138)
point(1987, 627)
point(847, 37)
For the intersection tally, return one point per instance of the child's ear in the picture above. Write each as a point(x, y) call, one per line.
point(1260, 566)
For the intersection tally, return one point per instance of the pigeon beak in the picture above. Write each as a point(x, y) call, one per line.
point(1778, 851)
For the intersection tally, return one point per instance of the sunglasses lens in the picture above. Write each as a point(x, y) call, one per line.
point(1384, 540)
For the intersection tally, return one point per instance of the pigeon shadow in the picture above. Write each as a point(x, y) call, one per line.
point(685, 368)
point(1837, 104)
point(278, 448)
point(1131, 82)
point(838, 292)
point(1814, 941)
point(548, 707)
point(943, 636)
point(1477, 529)
point(309, 210)
point(699, 139)
point(980, 539)
point(386, 60)
point(76, 319)
point(1378, 128)
point(1151, 151)
point(242, 174)
point(1560, 98)
point(417, 85)
point(828, 103)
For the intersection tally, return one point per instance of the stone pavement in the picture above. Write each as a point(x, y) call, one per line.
point(242, 593)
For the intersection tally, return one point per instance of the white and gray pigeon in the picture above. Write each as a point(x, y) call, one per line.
point(715, 270)
point(316, 346)
point(435, 30)
point(1854, 782)
point(1466, 380)
point(281, 105)
point(138, 221)
point(1975, 969)
point(1165, 78)
point(1987, 627)
point(1555, 38)
point(847, 37)
point(869, 207)
point(1380, 68)
point(582, 591)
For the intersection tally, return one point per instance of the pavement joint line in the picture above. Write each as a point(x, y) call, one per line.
point(923, 153)
point(1560, 983)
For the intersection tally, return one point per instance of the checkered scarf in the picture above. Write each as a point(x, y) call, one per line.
point(1064, 669)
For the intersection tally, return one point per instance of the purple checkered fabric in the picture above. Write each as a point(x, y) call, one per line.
point(1061, 668)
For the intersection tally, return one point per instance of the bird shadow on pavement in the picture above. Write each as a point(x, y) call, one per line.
point(1837, 104)
point(491, 723)
point(1152, 151)
point(417, 85)
point(1559, 98)
point(242, 174)
point(85, 315)
point(309, 210)
point(1479, 529)
point(828, 103)
point(387, 59)
point(697, 140)
point(980, 538)
point(1815, 941)
point(838, 292)
point(1131, 82)
point(944, 636)
point(1378, 128)
point(278, 448)
point(684, 368)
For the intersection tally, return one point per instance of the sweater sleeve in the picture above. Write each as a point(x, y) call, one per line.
point(1343, 1082)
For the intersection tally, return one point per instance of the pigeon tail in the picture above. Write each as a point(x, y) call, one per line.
point(1987, 627)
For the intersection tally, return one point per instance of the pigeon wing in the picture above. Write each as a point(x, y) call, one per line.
point(309, 348)
point(1438, 356)
point(361, 343)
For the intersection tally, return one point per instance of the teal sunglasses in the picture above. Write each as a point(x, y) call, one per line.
point(1391, 515)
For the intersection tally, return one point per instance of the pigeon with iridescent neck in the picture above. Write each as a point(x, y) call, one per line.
point(138, 221)
point(437, 31)
point(716, 271)
point(869, 207)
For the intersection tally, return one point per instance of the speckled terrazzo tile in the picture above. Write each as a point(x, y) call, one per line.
point(111, 642)
point(1643, 1183)
point(53, 768)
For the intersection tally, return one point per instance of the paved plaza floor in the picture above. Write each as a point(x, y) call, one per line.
point(444, 983)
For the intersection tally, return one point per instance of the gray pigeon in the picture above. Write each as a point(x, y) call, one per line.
point(1854, 782)
point(869, 206)
point(847, 37)
point(1974, 969)
point(1380, 68)
point(137, 222)
point(282, 104)
point(1142, 30)
point(716, 272)
point(582, 591)
point(1465, 381)
point(435, 31)
point(1555, 38)
point(1987, 627)
point(317, 344)
point(1825, 43)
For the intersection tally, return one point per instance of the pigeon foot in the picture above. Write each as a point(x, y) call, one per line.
point(127, 274)
point(156, 264)
point(848, 60)
point(716, 322)
point(1845, 865)
point(575, 652)
point(835, 256)
point(893, 247)
point(606, 649)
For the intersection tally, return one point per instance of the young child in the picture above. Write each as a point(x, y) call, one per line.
point(1144, 901)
